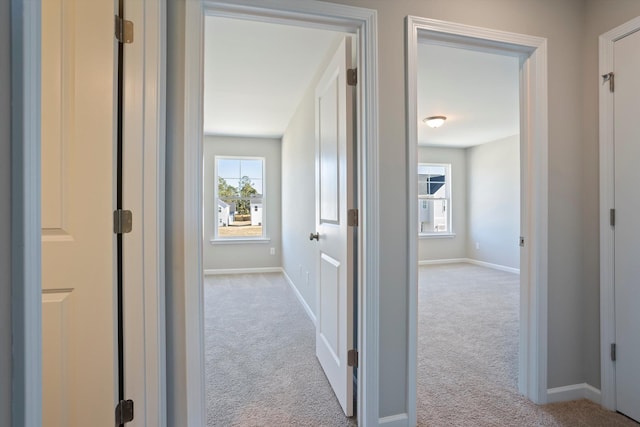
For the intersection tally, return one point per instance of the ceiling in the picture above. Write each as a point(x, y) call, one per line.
point(257, 73)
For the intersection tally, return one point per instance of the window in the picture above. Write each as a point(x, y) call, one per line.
point(434, 198)
point(240, 198)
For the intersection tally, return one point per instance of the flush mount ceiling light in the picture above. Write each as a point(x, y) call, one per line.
point(435, 121)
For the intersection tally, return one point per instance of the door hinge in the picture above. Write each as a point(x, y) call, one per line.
point(124, 412)
point(609, 77)
point(122, 221)
point(352, 358)
point(613, 352)
point(352, 76)
point(124, 30)
point(612, 217)
point(352, 218)
point(521, 241)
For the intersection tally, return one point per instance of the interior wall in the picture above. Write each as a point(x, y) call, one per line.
point(493, 207)
point(562, 24)
point(298, 193)
point(601, 16)
point(5, 213)
point(247, 254)
point(448, 247)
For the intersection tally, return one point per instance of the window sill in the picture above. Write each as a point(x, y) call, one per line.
point(436, 235)
point(239, 240)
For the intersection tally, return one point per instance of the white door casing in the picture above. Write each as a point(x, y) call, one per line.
point(626, 102)
point(334, 196)
point(78, 133)
point(619, 381)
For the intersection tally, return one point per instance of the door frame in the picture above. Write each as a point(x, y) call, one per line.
point(315, 14)
point(607, 283)
point(532, 51)
point(147, 111)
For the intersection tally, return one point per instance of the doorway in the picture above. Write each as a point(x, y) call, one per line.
point(324, 16)
point(531, 52)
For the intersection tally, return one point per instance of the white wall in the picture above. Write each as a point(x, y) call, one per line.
point(493, 207)
point(298, 195)
point(433, 248)
point(243, 255)
point(5, 215)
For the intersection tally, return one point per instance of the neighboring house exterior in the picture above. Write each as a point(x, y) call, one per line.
point(223, 214)
point(256, 212)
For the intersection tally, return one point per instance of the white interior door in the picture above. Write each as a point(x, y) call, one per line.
point(78, 88)
point(334, 196)
point(627, 227)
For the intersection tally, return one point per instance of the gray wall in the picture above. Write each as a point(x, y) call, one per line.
point(5, 211)
point(571, 27)
point(243, 255)
point(493, 202)
point(433, 248)
point(600, 17)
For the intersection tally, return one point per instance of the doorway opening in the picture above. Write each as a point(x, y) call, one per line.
point(468, 226)
point(530, 54)
point(259, 196)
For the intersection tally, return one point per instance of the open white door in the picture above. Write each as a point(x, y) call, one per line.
point(334, 197)
point(78, 133)
point(627, 229)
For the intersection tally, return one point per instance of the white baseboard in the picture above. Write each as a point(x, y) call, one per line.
point(494, 266)
point(217, 271)
point(300, 298)
point(574, 392)
point(442, 261)
point(398, 420)
point(470, 261)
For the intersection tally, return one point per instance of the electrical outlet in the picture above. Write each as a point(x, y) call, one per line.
point(307, 278)
point(477, 245)
point(272, 251)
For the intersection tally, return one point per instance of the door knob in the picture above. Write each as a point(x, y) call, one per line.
point(314, 236)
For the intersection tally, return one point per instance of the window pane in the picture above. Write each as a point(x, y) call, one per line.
point(240, 197)
point(433, 216)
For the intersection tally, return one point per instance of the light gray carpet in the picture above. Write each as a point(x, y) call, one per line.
point(468, 355)
point(261, 368)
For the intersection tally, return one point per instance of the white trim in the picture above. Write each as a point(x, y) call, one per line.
point(26, 268)
point(470, 261)
point(239, 241)
point(436, 235)
point(607, 301)
point(398, 420)
point(573, 392)
point(300, 297)
point(442, 261)
point(329, 16)
point(220, 271)
point(493, 266)
point(534, 135)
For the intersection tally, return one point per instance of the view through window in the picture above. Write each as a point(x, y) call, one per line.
point(434, 198)
point(239, 197)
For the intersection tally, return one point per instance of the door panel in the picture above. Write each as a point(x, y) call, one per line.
point(79, 369)
point(334, 196)
point(627, 228)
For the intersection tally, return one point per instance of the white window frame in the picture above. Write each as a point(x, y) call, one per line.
point(448, 198)
point(217, 239)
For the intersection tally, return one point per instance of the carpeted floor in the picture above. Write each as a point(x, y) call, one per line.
point(468, 355)
point(262, 371)
point(260, 358)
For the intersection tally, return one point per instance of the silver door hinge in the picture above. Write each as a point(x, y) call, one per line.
point(613, 352)
point(352, 218)
point(352, 76)
point(521, 241)
point(124, 412)
point(352, 358)
point(122, 221)
point(124, 30)
point(612, 217)
point(609, 77)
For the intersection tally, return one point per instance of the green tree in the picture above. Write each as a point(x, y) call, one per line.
point(226, 192)
point(246, 191)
